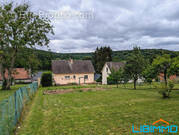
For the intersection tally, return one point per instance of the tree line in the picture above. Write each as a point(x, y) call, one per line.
point(19, 35)
point(44, 58)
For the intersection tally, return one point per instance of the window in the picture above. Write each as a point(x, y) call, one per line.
point(106, 69)
point(67, 77)
point(86, 77)
point(74, 77)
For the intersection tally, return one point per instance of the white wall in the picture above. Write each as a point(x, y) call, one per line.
point(105, 74)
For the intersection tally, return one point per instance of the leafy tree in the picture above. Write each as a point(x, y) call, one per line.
point(28, 60)
point(100, 57)
point(115, 77)
point(125, 78)
point(116, 59)
point(86, 58)
point(162, 64)
point(135, 65)
point(168, 65)
point(166, 92)
point(19, 28)
point(149, 74)
point(175, 66)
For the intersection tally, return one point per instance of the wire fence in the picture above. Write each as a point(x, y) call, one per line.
point(11, 108)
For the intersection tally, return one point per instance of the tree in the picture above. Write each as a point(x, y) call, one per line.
point(166, 92)
point(115, 77)
point(149, 74)
point(28, 60)
point(135, 65)
point(19, 28)
point(162, 64)
point(125, 78)
point(86, 58)
point(100, 57)
point(175, 66)
point(168, 65)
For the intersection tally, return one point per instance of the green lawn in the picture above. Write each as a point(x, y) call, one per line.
point(6, 93)
point(110, 112)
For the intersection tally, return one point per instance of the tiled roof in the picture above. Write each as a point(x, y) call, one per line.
point(19, 74)
point(172, 77)
point(115, 65)
point(72, 66)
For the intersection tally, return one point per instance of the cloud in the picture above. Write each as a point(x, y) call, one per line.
point(119, 24)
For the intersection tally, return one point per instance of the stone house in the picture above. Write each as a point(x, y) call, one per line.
point(72, 71)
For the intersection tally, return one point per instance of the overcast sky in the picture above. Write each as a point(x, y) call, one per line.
point(82, 25)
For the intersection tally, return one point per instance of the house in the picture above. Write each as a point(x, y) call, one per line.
point(72, 71)
point(107, 68)
point(20, 75)
point(172, 77)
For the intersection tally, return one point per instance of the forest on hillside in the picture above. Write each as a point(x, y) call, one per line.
point(45, 57)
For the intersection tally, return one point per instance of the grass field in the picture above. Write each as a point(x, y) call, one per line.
point(6, 93)
point(109, 112)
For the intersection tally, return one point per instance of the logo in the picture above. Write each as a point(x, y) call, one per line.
point(153, 128)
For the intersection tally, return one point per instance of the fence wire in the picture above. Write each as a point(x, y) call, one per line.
point(11, 108)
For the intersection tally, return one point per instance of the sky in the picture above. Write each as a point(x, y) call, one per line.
point(82, 25)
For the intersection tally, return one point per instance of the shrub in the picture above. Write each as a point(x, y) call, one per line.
point(80, 90)
point(46, 79)
point(148, 80)
point(110, 80)
point(171, 84)
point(74, 83)
point(155, 85)
point(163, 86)
point(157, 79)
point(166, 91)
point(99, 79)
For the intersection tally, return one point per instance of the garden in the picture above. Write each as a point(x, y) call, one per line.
point(98, 109)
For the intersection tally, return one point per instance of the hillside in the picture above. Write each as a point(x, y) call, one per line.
point(45, 57)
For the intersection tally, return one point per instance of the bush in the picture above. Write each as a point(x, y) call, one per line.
point(163, 86)
point(110, 80)
point(148, 80)
point(46, 79)
point(171, 84)
point(155, 85)
point(80, 90)
point(99, 79)
point(166, 91)
point(74, 83)
point(157, 79)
